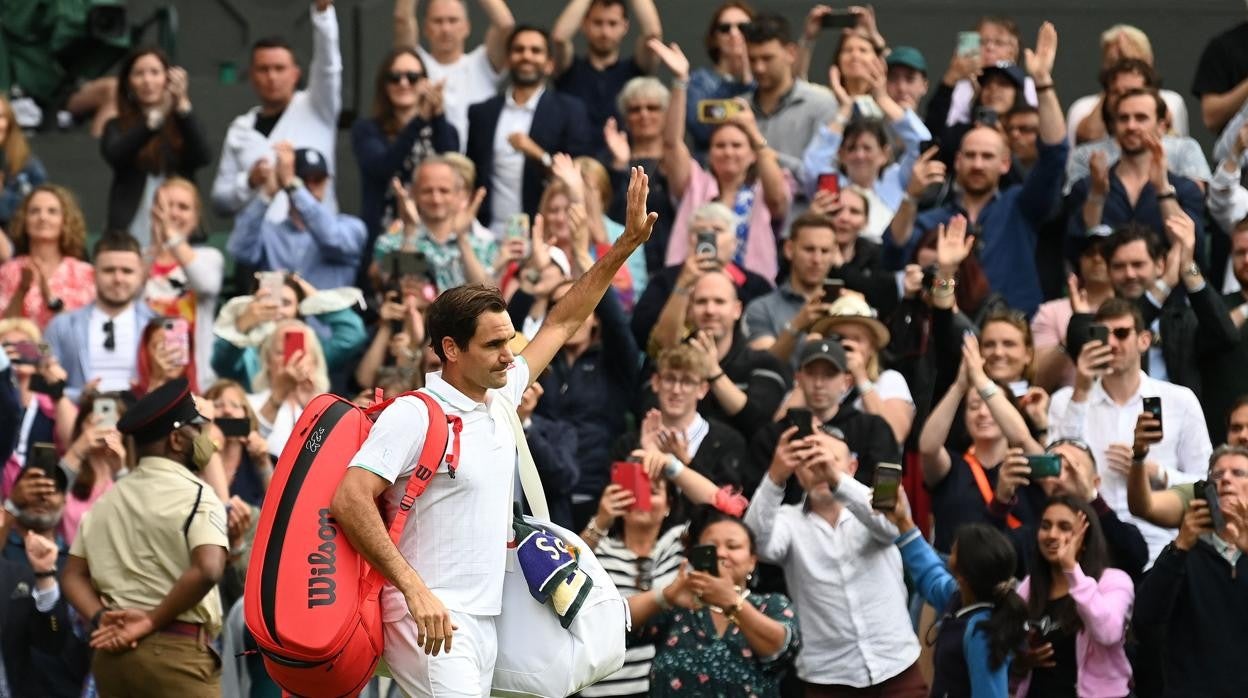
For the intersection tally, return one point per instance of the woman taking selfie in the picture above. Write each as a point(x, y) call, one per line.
point(713, 635)
point(729, 74)
point(1078, 608)
point(154, 135)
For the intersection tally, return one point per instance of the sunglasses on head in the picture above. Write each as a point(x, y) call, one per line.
point(727, 27)
point(394, 77)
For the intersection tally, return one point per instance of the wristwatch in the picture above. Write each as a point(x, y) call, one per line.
point(547, 160)
point(294, 184)
point(532, 275)
point(1192, 270)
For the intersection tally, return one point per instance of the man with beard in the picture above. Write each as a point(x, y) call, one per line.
point(100, 341)
point(746, 385)
point(1185, 326)
point(513, 137)
point(145, 565)
point(1004, 222)
point(597, 78)
point(42, 655)
point(1139, 187)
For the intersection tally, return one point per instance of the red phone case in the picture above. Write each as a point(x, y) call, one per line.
point(632, 477)
point(292, 342)
point(830, 182)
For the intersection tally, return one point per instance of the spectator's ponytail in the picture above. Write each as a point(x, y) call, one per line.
point(984, 560)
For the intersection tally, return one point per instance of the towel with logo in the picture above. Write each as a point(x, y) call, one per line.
point(551, 571)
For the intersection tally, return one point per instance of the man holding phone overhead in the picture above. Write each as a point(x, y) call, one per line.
point(837, 554)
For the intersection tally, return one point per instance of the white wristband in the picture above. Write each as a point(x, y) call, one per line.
point(866, 387)
point(673, 467)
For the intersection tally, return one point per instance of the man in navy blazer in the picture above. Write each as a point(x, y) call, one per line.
point(513, 136)
point(101, 340)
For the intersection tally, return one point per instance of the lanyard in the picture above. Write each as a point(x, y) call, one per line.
point(981, 480)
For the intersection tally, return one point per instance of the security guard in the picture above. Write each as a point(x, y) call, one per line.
point(145, 565)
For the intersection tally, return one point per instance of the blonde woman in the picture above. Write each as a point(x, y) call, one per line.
point(20, 170)
point(290, 376)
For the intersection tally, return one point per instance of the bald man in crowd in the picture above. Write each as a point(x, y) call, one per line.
point(1004, 221)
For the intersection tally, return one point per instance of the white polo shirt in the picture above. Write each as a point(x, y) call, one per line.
point(1183, 451)
point(470, 79)
point(456, 535)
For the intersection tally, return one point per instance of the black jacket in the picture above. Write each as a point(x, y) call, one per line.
point(559, 126)
point(867, 435)
point(1223, 378)
point(649, 307)
point(554, 447)
point(1189, 332)
point(865, 274)
point(1201, 604)
point(765, 380)
point(121, 148)
point(42, 655)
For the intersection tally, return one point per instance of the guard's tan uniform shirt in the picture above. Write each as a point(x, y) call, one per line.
point(137, 539)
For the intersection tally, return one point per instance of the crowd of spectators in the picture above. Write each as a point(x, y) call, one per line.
point(1035, 311)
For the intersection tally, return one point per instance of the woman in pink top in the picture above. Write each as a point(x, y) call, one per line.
point(742, 173)
point(1078, 608)
point(98, 452)
point(48, 275)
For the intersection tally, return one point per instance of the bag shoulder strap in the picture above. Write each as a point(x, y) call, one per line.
point(440, 429)
point(530, 480)
point(981, 481)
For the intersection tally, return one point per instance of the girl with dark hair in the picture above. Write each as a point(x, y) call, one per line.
point(98, 454)
point(161, 359)
point(1078, 608)
point(714, 636)
point(407, 125)
point(984, 618)
point(729, 75)
point(154, 135)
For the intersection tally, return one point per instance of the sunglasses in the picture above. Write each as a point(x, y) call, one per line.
point(394, 77)
point(1122, 333)
point(110, 336)
point(638, 108)
point(645, 574)
point(727, 27)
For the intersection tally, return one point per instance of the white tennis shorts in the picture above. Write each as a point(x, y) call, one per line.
point(467, 671)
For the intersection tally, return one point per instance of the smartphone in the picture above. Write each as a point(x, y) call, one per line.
point(105, 411)
point(929, 276)
point(1045, 465)
point(1208, 491)
point(704, 558)
point(43, 456)
point(1152, 405)
point(884, 491)
point(231, 426)
point(177, 338)
point(1099, 333)
point(292, 341)
point(801, 418)
point(839, 19)
point(832, 289)
point(986, 116)
point(410, 264)
point(717, 111)
point(632, 477)
point(705, 244)
point(27, 353)
point(518, 226)
point(273, 281)
point(968, 43)
point(830, 182)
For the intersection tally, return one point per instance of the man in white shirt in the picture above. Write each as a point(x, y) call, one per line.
point(100, 341)
point(1102, 408)
point(842, 569)
point(307, 118)
point(446, 573)
point(467, 77)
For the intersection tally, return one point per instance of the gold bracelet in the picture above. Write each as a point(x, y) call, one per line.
point(731, 614)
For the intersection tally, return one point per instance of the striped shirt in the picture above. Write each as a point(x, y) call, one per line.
point(621, 563)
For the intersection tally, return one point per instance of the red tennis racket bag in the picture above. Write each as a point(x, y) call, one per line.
point(311, 601)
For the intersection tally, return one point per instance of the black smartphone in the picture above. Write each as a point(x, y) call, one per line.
point(1208, 491)
point(704, 558)
point(839, 19)
point(1099, 333)
point(884, 490)
point(231, 427)
point(43, 456)
point(985, 116)
point(832, 289)
point(1152, 405)
point(705, 245)
point(929, 276)
point(801, 418)
point(1045, 465)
